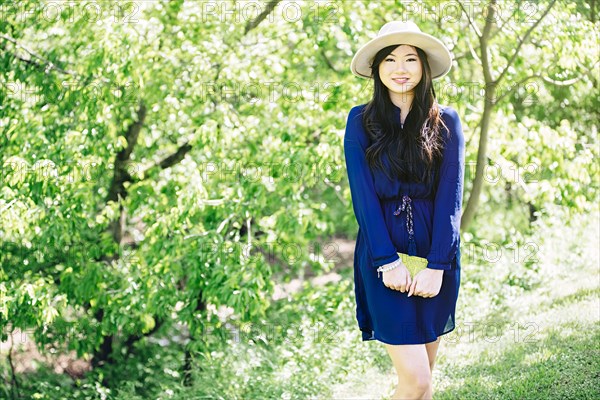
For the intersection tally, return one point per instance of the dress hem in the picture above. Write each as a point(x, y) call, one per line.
point(370, 335)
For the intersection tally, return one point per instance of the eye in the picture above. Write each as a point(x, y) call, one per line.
point(389, 59)
point(411, 59)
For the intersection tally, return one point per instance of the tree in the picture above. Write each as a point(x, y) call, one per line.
point(165, 160)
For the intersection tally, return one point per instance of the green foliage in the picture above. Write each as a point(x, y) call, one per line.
point(235, 180)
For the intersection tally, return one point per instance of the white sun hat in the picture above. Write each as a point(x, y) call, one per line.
point(399, 32)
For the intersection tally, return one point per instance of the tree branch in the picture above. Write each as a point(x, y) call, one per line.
point(131, 340)
point(175, 157)
point(547, 79)
point(121, 175)
point(471, 22)
point(260, 18)
point(483, 43)
point(328, 61)
point(472, 136)
point(14, 384)
point(49, 65)
point(504, 22)
point(473, 53)
point(522, 41)
point(168, 161)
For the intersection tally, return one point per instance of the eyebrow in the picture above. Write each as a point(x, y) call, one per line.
point(406, 55)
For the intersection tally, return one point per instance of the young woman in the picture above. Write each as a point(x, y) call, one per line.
point(405, 158)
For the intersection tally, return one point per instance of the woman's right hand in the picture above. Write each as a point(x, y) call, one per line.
point(397, 278)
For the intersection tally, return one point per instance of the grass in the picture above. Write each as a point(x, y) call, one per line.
point(519, 336)
point(540, 343)
point(555, 366)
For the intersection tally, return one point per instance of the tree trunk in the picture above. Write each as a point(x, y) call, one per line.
point(490, 95)
point(187, 363)
point(491, 85)
point(473, 203)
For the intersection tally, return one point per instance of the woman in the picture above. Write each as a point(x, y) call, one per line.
point(405, 163)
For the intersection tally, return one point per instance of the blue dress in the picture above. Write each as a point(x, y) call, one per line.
point(384, 314)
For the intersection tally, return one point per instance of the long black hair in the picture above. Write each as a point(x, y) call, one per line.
point(415, 151)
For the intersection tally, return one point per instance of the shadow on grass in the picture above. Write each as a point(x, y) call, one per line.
point(579, 295)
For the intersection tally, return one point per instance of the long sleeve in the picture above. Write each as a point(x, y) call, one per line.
point(445, 238)
point(365, 202)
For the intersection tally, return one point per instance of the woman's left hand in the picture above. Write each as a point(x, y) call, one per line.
point(426, 283)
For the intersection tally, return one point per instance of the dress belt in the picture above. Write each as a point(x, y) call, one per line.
point(406, 205)
point(399, 199)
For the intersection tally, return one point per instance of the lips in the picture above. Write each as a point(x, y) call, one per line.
point(400, 80)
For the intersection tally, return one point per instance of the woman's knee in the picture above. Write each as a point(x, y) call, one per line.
point(412, 365)
point(417, 381)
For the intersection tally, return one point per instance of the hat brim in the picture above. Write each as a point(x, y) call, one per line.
point(438, 55)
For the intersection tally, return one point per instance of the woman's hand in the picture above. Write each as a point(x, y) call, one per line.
point(427, 283)
point(397, 278)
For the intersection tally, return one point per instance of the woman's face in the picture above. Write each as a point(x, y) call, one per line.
point(401, 70)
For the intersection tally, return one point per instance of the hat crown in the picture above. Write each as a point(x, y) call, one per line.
point(398, 26)
point(397, 33)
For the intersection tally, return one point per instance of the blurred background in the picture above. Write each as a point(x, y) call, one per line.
point(176, 222)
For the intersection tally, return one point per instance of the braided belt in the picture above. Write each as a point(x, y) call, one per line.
point(407, 206)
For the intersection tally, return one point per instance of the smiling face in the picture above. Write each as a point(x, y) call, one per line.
point(401, 71)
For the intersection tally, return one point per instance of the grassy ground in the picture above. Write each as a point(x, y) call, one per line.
point(542, 343)
point(522, 333)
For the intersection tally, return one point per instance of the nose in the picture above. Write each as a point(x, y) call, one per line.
point(400, 66)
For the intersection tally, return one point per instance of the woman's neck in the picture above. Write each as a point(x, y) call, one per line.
point(403, 101)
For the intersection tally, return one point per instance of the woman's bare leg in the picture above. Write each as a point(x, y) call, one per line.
point(432, 349)
point(413, 368)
